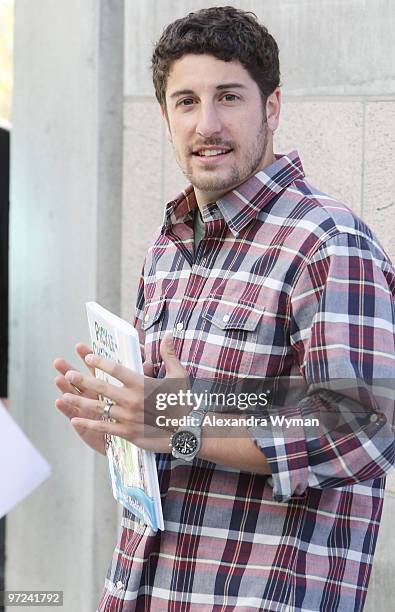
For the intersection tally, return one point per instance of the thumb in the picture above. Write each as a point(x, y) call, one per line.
point(148, 369)
point(173, 366)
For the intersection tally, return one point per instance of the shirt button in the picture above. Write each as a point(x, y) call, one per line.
point(374, 418)
point(119, 585)
point(180, 326)
point(146, 318)
point(226, 318)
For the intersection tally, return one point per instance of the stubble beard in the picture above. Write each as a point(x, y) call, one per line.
point(236, 174)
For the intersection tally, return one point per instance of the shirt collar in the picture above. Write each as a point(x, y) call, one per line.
point(241, 205)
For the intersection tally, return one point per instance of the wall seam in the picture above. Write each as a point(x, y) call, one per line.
point(363, 158)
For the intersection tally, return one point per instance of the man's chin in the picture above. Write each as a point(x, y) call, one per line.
point(213, 185)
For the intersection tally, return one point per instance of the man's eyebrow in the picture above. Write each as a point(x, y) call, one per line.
point(181, 92)
point(188, 92)
point(232, 86)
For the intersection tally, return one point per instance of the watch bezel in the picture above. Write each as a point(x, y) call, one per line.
point(176, 453)
point(191, 434)
point(195, 429)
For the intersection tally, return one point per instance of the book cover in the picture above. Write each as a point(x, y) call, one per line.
point(133, 470)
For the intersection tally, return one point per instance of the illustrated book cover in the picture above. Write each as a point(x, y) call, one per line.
point(133, 470)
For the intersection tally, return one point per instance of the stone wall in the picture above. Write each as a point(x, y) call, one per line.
point(66, 168)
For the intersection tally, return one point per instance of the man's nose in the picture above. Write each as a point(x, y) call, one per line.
point(208, 122)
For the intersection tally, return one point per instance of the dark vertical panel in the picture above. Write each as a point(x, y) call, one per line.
point(4, 212)
point(2, 557)
point(4, 215)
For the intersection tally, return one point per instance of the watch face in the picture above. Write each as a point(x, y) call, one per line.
point(185, 442)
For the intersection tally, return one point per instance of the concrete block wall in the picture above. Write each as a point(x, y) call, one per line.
point(338, 84)
point(65, 249)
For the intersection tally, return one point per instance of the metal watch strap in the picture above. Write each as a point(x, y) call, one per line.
point(198, 414)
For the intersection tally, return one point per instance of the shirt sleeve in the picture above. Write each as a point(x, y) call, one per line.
point(342, 335)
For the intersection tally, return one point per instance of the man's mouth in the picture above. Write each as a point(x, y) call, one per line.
point(211, 152)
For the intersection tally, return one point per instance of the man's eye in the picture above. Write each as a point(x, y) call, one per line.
point(230, 97)
point(186, 102)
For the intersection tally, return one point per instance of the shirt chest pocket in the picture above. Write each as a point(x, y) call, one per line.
point(154, 326)
point(153, 312)
point(231, 330)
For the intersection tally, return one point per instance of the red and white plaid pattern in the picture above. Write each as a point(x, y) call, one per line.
point(286, 282)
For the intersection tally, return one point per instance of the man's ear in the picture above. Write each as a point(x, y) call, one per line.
point(166, 122)
point(273, 106)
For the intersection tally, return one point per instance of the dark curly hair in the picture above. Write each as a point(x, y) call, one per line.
point(228, 34)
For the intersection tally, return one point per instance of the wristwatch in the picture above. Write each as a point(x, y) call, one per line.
point(185, 443)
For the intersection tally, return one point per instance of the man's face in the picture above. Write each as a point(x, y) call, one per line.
point(216, 123)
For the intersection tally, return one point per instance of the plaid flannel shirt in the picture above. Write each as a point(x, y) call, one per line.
point(286, 282)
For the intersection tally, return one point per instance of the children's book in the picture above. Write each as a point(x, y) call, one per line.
point(133, 470)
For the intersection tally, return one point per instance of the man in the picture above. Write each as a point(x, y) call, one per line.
point(258, 276)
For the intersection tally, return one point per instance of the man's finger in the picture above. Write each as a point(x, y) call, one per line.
point(66, 387)
point(82, 348)
point(66, 409)
point(148, 369)
point(174, 368)
point(103, 427)
point(91, 409)
point(72, 408)
point(96, 385)
point(82, 351)
point(62, 366)
point(116, 370)
point(89, 435)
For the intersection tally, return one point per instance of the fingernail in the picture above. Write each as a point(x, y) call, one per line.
point(91, 358)
point(70, 377)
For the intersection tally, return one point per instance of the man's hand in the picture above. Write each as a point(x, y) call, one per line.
point(134, 411)
point(70, 409)
point(128, 417)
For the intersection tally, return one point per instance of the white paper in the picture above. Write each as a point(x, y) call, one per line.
point(22, 468)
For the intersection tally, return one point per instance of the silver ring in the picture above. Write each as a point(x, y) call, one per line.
point(107, 407)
